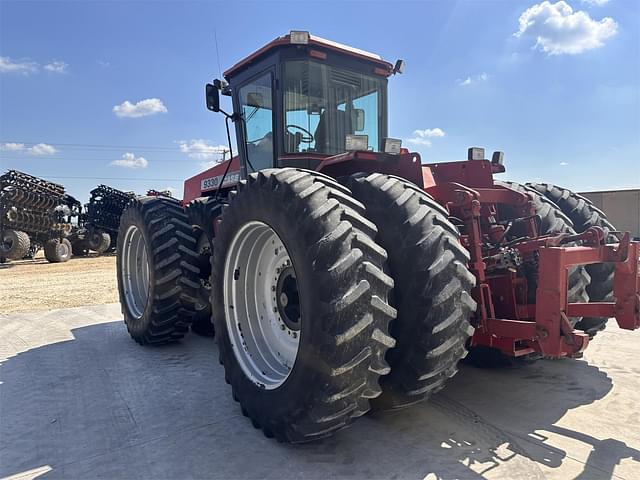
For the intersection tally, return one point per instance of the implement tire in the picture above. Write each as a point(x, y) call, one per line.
point(432, 292)
point(14, 244)
point(300, 304)
point(157, 270)
point(57, 250)
point(585, 214)
point(98, 241)
point(201, 213)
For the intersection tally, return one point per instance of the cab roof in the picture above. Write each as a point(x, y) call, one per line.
point(382, 67)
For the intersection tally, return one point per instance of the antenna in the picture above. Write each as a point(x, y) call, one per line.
point(215, 36)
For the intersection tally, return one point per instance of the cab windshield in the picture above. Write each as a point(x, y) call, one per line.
point(323, 104)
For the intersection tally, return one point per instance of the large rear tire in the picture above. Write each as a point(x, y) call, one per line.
point(57, 250)
point(300, 304)
point(585, 214)
point(157, 270)
point(432, 292)
point(14, 244)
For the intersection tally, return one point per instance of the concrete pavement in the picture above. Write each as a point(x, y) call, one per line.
point(79, 399)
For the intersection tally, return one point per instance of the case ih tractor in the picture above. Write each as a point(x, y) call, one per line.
point(34, 214)
point(341, 274)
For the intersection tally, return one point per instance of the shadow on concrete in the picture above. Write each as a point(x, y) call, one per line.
point(101, 406)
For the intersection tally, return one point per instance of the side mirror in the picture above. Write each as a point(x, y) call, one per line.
point(357, 119)
point(213, 98)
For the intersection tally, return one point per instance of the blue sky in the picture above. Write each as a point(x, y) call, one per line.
point(555, 85)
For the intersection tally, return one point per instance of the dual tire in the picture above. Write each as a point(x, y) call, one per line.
point(348, 355)
point(157, 270)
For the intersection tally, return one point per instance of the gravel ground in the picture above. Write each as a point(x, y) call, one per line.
point(29, 285)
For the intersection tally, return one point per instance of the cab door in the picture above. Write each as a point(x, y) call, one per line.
point(256, 105)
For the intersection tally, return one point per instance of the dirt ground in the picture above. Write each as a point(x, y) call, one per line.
point(29, 285)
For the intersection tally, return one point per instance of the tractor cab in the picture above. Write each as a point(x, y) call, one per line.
point(301, 99)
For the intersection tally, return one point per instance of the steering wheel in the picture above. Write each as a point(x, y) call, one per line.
point(309, 138)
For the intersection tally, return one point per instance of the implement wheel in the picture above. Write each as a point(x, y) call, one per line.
point(57, 250)
point(300, 304)
point(432, 287)
point(98, 241)
point(14, 244)
point(585, 214)
point(157, 270)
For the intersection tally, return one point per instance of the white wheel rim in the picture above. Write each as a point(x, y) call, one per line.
point(260, 301)
point(135, 271)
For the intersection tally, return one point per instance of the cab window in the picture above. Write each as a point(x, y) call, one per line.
point(323, 104)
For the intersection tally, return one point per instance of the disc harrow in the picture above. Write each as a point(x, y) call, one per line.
point(36, 207)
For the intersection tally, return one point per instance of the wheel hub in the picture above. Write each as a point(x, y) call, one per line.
point(7, 243)
point(287, 298)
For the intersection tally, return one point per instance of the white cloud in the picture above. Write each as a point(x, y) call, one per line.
point(563, 164)
point(597, 3)
point(483, 77)
point(422, 137)
point(129, 160)
point(42, 149)
point(104, 64)
point(558, 29)
point(56, 67)
point(12, 147)
point(149, 106)
point(7, 65)
point(36, 150)
point(203, 150)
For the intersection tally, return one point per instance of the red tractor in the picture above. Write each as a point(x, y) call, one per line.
point(340, 273)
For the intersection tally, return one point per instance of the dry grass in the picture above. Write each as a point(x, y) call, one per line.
point(39, 285)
